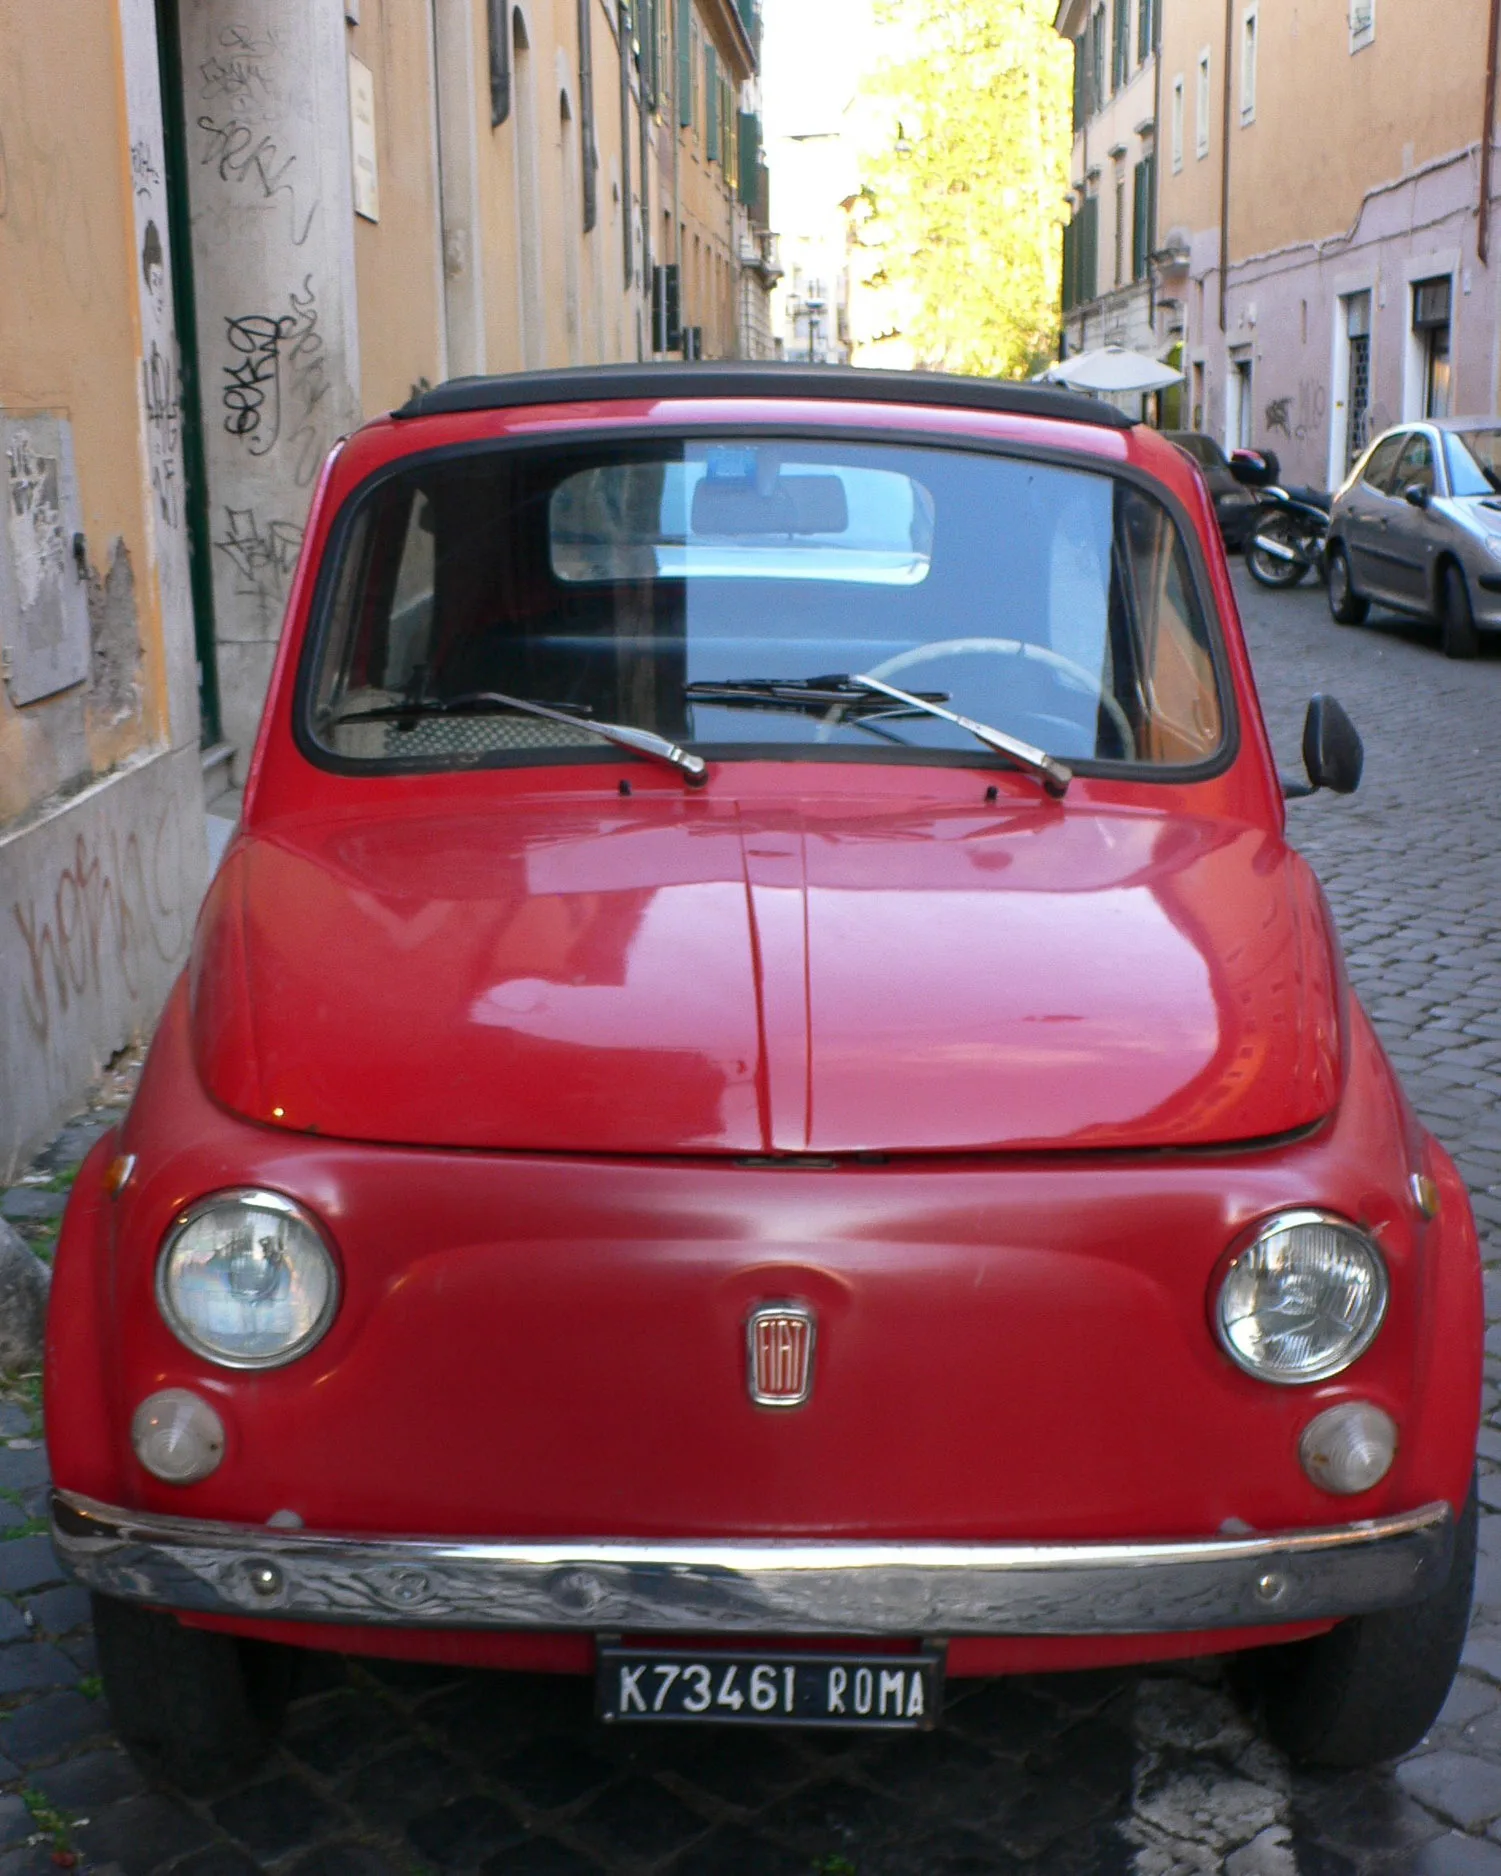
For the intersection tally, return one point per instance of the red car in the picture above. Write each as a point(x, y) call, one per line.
point(761, 1108)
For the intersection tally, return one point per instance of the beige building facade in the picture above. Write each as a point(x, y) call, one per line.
point(1334, 156)
point(1107, 292)
point(229, 232)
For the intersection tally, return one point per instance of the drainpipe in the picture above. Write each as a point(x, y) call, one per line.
point(1225, 172)
point(1483, 234)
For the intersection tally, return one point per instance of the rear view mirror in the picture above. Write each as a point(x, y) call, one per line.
point(1333, 753)
point(798, 504)
point(1416, 494)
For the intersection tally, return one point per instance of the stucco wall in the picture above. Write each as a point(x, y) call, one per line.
point(70, 348)
point(399, 259)
point(97, 903)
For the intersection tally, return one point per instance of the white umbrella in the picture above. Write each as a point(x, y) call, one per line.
point(1113, 368)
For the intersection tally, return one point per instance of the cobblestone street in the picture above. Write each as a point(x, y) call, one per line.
point(387, 1770)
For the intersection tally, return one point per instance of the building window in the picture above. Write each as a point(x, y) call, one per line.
point(1081, 81)
point(1432, 302)
point(1362, 23)
point(1146, 29)
point(1248, 66)
point(1120, 47)
point(1201, 107)
point(1120, 225)
point(1097, 60)
point(1143, 231)
point(1177, 124)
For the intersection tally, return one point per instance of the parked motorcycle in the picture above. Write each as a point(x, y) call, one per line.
point(1285, 541)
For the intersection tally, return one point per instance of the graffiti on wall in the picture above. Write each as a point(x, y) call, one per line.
point(278, 371)
point(33, 519)
point(257, 164)
point(241, 69)
point(112, 905)
point(1297, 418)
point(263, 555)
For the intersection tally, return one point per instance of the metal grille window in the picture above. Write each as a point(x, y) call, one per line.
point(1358, 394)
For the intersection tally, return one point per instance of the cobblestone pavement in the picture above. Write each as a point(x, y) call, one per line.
point(401, 1770)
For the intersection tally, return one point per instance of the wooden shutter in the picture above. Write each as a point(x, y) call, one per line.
point(588, 150)
point(1120, 44)
point(711, 104)
point(499, 14)
point(1089, 255)
point(1070, 244)
point(1139, 222)
point(685, 63)
point(750, 155)
point(1146, 24)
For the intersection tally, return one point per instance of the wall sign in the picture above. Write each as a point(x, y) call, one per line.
point(362, 134)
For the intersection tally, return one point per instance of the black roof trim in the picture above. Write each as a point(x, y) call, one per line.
point(601, 383)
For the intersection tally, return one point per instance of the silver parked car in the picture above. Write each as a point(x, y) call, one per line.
point(1417, 527)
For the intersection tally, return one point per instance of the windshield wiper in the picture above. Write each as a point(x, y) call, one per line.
point(694, 769)
point(847, 690)
point(806, 693)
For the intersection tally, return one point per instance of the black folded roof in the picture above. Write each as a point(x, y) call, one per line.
point(592, 384)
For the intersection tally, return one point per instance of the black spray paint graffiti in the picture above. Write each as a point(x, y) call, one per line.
point(144, 174)
point(257, 163)
point(162, 398)
point(279, 373)
point(239, 68)
point(263, 555)
point(307, 375)
point(255, 382)
point(1313, 405)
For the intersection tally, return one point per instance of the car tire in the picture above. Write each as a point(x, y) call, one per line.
point(194, 1706)
point(1457, 615)
point(1345, 604)
point(1266, 569)
point(1370, 1689)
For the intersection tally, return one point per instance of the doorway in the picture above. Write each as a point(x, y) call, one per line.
point(185, 314)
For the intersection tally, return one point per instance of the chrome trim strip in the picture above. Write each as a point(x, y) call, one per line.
point(760, 1587)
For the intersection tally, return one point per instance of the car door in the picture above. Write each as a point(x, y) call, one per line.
point(1366, 518)
point(1409, 538)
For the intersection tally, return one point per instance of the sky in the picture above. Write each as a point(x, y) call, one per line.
point(813, 54)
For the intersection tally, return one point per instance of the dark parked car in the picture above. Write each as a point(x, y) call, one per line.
point(1233, 505)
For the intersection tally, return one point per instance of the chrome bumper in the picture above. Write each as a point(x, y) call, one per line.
point(759, 1587)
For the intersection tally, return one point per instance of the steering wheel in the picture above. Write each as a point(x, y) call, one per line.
point(1076, 677)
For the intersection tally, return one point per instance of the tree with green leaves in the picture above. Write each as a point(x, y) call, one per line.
point(964, 181)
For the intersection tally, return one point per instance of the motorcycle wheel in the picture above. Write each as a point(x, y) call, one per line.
point(1269, 569)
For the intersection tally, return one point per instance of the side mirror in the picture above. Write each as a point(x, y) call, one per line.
point(1333, 753)
point(1416, 495)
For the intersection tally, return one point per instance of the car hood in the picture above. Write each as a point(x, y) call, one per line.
point(665, 976)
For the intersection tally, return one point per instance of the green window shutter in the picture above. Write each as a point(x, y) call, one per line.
point(499, 16)
point(1118, 43)
point(646, 40)
point(1081, 73)
point(1089, 271)
point(1138, 222)
point(711, 104)
point(750, 154)
point(1145, 22)
point(1070, 233)
point(685, 63)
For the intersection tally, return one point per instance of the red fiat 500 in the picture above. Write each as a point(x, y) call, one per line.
point(761, 1108)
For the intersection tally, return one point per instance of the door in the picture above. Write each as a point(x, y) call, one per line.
point(1366, 516)
point(185, 313)
point(1410, 537)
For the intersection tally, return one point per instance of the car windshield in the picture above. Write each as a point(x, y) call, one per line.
point(1474, 461)
point(667, 585)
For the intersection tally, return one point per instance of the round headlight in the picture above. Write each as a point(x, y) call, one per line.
point(1303, 1299)
point(245, 1280)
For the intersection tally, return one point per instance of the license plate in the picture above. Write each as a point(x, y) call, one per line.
point(894, 1691)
